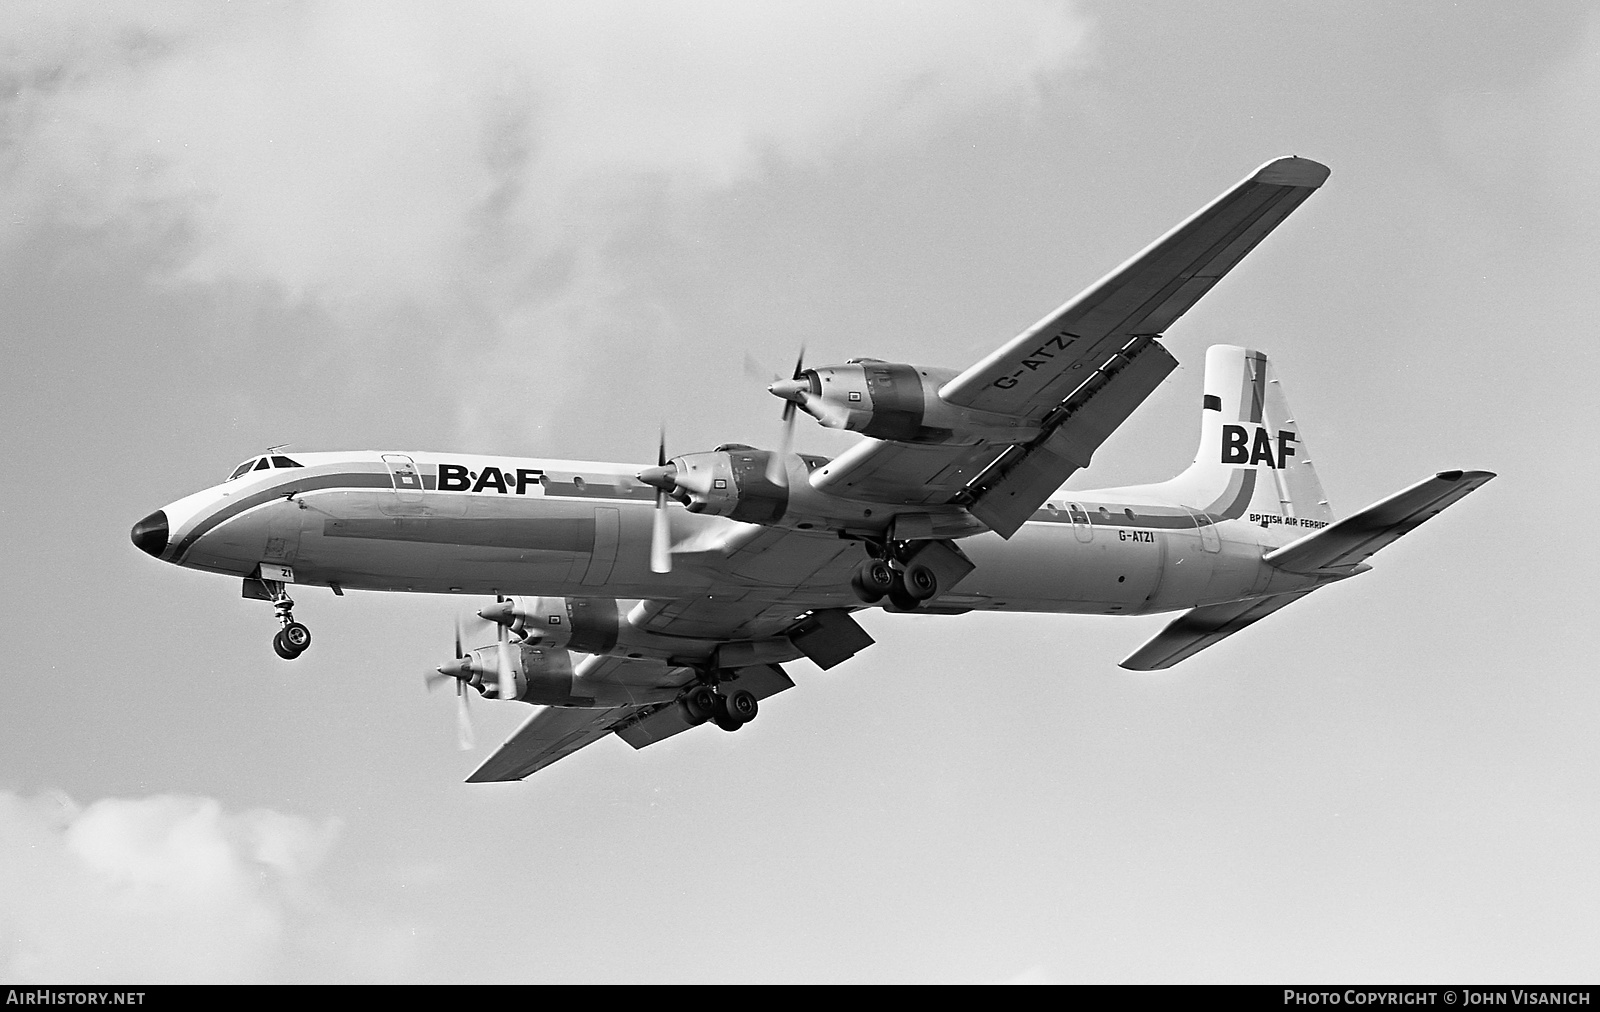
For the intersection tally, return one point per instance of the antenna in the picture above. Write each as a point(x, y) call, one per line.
point(280, 446)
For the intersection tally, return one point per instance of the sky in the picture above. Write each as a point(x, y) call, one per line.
point(546, 229)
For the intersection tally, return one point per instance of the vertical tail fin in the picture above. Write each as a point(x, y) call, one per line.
point(1253, 457)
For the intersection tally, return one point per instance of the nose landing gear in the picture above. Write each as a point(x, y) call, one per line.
point(293, 639)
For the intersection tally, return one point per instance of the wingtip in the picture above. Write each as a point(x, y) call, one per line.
point(1292, 170)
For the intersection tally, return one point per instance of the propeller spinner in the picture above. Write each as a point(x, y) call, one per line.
point(793, 391)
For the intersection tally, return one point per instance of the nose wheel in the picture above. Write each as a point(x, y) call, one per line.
point(293, 639)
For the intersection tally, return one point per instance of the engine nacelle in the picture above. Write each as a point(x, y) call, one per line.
point(729, 481)
point(891, 400)
point(539, 674)
point(586, 624)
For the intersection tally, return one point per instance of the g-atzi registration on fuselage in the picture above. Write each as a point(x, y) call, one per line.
point(644, 601)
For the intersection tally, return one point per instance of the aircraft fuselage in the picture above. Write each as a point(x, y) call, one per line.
point(461, 524)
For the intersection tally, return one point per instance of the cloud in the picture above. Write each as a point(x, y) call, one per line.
point(468, 170)
point(423, 149)
point(164, 889)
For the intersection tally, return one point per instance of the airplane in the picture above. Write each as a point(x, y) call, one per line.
point(643, 601)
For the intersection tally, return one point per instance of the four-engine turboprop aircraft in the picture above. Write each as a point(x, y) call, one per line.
point(646, 601)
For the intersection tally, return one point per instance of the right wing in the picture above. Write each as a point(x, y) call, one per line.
point(550, 733)
point(555, 732)
point(766, 566)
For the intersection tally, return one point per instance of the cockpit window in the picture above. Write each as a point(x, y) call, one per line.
point(263, 464)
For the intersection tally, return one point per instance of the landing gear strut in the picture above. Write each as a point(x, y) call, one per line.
point(888, 574)
point(730, 710)
point(293, 639)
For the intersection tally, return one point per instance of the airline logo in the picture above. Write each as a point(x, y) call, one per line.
point(1239, 446)
point(456, 478)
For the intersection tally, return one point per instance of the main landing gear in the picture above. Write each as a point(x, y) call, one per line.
point(293, 639)
point(729, 710)
point(889, 574)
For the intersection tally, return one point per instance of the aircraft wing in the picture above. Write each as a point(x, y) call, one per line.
point(1079, 372)
point(759, 571)
point(762, 567)
point(1034, 371)
point(555, 732)
point(550, 733)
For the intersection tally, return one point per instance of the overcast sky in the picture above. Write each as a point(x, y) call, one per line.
point(546, 229)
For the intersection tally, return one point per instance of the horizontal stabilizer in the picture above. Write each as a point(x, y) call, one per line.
point(1345, 544)
point(1337, 550)
point(1198, 628)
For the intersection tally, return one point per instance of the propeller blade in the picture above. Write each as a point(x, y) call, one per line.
point(660, 538)
point(508, 682)
point(464, 736)
point(660, 533)
point(778, 463)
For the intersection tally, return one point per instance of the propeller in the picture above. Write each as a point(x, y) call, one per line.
point(792, 391)
point(660, 534)
point(508, 681)
point(457, 671)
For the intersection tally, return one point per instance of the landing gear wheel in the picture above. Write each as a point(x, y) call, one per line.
point(700, 704)
point(735, 710)
point(921, 582)
point(283, 649)
point(872, 580)
point(742, 705)
point(296, 637)
point(902, 598)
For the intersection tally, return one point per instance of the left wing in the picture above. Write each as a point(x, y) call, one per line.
point(1079, 372)
point(1003, 483)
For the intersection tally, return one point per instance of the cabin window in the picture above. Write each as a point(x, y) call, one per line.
point(577, 482)
point(241, 469)
point(262, 465)
point(284, 462)
point(1128, 513)
point(1105, 514)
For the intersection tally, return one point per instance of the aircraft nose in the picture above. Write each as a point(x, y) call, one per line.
point(150, 534)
